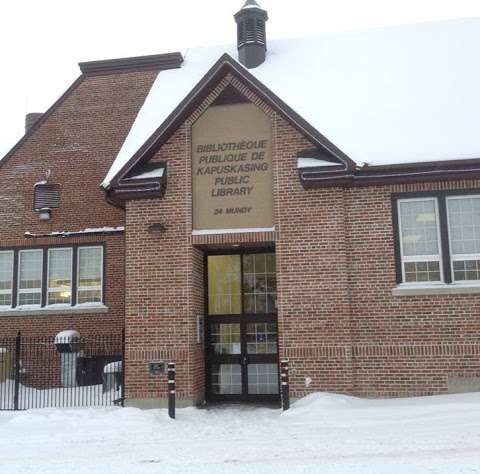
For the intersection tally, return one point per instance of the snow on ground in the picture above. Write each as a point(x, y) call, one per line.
point(323, 433)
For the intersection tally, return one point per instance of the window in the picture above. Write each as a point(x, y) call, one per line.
point(60, 276)
point(42, 277)
point(90, 275)
point(259, 283)
point(6, 278)
point(419, 240)
point(242, 284)
point(224, 284)
point(438, 238)
point(30, 268)
point(464, 231)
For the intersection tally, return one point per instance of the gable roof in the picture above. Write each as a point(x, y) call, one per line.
point(397, 95)
point(226, 64)
point(157, 62)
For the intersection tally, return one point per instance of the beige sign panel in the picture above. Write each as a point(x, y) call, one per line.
point(232, 169)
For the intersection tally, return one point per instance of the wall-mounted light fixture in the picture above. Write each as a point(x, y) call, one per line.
point(157, 228)
point(45, 214)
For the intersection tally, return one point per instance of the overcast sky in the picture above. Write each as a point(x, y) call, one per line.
point(42, 41)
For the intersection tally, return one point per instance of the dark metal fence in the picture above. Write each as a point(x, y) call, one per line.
point(62, 371)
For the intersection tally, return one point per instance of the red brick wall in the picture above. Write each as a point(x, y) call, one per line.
point(338, 321)
point(312, 266)
point(163, 279)
point(77, 142)
point(411, 344)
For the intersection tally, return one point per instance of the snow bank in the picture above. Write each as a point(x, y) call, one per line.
point(323, 433)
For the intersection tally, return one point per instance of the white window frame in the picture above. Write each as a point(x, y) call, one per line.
point(28, 290)
point(55, 290)
point(90, 288)
point(10, 291)
point(420, 258)
point(459, 257)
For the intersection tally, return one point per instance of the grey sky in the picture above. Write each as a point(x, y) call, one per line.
point(42, 42)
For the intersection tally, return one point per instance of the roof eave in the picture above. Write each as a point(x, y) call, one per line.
point(160, 62)
point(224, 65)
point(143, 189)
point(392, 174)
point(130, 189)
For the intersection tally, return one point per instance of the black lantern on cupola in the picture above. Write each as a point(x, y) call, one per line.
point(251, 34)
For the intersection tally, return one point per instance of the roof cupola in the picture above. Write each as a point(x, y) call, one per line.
point(251, 34)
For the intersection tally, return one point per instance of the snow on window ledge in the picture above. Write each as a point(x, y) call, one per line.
point(86, 308)
point(426, 289)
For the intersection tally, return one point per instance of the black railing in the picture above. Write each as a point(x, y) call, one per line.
point(63, 371)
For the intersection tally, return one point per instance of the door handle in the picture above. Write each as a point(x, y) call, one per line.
point(245, 361)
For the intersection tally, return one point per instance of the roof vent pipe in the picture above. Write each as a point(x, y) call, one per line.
point(31, 119)
point(251, 34)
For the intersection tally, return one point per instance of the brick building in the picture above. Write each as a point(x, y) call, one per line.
point(317, 201)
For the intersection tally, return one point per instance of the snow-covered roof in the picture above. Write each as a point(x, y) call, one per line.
point(393, 95)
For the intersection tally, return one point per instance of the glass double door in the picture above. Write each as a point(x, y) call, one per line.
point(241, 327)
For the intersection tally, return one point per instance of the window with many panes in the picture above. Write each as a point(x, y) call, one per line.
point(42, 277)
point(6, 278)
point(438, 238)
point(60, 276)
point(224, 284)
point(30, 271)
point(90, 269)
point(464, 231)
point(242, 283)
point(259, 283)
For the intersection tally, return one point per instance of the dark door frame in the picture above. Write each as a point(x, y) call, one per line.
point(243, 319)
